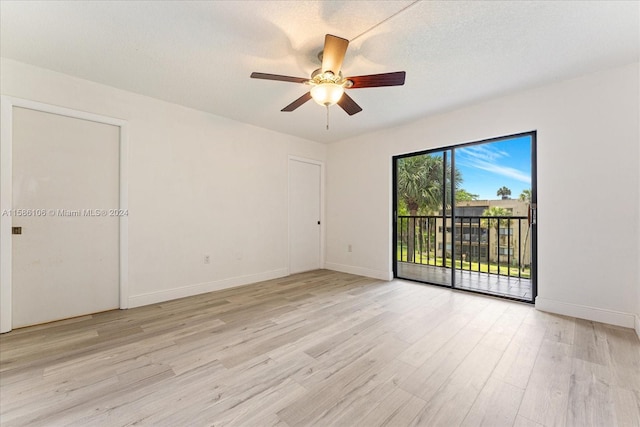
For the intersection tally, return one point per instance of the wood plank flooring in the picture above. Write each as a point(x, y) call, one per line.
point(322, 349)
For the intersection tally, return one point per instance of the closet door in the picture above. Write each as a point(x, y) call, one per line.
point(304, 216)
point(65, 261)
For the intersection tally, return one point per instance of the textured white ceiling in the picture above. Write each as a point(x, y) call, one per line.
point(200, 54)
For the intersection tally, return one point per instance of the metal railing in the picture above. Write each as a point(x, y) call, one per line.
point(492, 245)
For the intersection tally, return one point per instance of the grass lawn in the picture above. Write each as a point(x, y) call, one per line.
point(492, 268)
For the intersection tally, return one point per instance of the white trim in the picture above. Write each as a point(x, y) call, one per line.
point(637, 326)
point(375, 274)
point(6, 141)
point(6, 196)
point(200, 288)
point(322, 207)
point(124, 220)
point(595, 314)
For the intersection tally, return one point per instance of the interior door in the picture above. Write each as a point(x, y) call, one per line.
point(65, 262)
point(304, 216)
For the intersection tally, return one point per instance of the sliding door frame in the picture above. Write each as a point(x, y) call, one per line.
point(533, 210)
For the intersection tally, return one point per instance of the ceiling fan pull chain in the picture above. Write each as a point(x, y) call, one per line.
point(327, 117)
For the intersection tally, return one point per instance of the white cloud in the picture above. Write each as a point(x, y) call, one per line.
point(484, 152)
point(488, 158)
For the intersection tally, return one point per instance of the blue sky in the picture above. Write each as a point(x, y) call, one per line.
point(487, 167)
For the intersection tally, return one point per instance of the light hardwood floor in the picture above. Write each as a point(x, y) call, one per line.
point(322, 348)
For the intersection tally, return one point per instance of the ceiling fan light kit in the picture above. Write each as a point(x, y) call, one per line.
point(327, 93)
point(328, 84)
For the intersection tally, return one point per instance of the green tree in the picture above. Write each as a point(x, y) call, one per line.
point(504, 192)
point(463, 195)
point(496, 223)
point(525, 196)
point(492, 212)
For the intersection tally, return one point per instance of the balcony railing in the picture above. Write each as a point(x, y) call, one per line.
point(494, 245)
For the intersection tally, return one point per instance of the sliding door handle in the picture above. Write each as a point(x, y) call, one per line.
point(532, 216)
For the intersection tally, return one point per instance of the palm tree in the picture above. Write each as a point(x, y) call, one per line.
point(420, 186)
point(525, 196)
point(504, 192)
point(419, 182)
point(492, 212)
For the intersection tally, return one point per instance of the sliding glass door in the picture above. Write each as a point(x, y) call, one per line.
point(457, 222)
point(423, 217)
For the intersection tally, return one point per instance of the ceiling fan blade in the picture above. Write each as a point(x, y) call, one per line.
point(377, 80)
point(278, 77)
point(333, 53)
point(349, 105)
point(298, 102)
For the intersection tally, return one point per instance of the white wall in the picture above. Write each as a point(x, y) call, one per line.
point(588, 199)
point(198, 184)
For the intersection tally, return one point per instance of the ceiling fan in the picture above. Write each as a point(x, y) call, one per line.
point(328, 84)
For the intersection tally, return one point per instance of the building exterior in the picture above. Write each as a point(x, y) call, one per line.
point(481, 238)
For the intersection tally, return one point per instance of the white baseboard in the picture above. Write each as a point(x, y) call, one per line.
point(201, 288)
point(375, 274)
point(637, 326)
point(595, 314)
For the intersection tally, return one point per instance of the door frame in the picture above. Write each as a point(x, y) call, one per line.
point(533, 134)
point(291, 158)
point(7, 103)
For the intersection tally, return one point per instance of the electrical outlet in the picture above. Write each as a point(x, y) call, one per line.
point(207, 259)
point(349, 248)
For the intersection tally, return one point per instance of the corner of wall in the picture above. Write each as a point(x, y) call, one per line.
point(360, 271)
